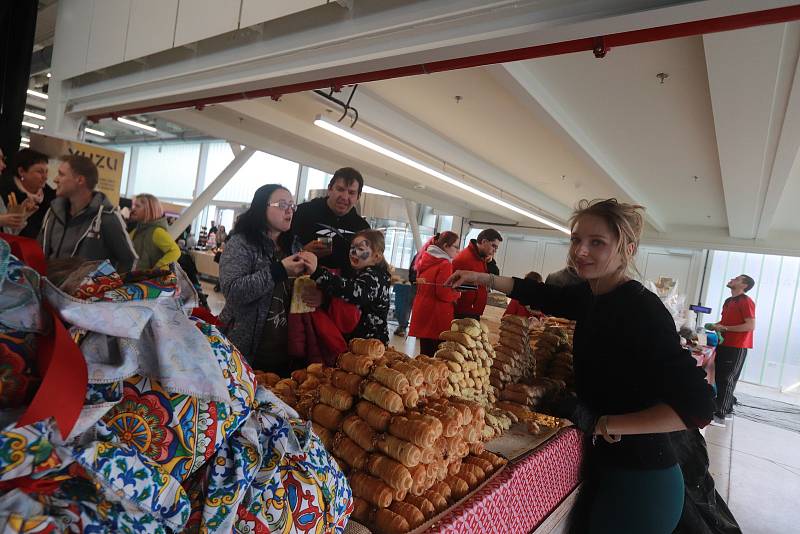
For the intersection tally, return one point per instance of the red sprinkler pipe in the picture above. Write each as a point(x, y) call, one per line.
point(599, 45)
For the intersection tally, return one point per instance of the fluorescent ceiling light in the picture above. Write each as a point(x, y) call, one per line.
point(372, 145)
point(25, 139)
point(94, 132)
point(31, 125)
point(37, 94)
point(135, 124)
point(372, 190)
point(34, 115)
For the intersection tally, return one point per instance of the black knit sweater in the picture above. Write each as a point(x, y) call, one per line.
point(627, 357)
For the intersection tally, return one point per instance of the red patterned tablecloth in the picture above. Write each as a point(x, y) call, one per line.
point(523, 495)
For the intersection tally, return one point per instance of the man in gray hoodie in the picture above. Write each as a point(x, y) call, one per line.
point(82, 222)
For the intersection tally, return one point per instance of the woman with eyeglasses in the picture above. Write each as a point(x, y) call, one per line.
point(254, 272)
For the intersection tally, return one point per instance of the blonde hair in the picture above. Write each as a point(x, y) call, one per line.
point(624, 220)
point(151, 207)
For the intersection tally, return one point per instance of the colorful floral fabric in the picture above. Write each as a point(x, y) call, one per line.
point(173, 435)
point(299, 486)
point(19, 295)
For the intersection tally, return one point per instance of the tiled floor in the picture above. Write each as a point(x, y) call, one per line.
point(756, 468)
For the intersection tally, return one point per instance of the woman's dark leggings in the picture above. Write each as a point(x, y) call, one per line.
point(636, 501)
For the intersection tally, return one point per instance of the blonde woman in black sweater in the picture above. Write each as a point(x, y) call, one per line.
point(634, 382)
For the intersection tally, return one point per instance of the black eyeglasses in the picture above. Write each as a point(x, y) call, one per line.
point(283, 205)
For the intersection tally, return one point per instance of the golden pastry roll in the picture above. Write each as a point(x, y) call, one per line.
point(298, 305)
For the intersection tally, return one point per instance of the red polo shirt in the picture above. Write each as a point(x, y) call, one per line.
point(734, 312)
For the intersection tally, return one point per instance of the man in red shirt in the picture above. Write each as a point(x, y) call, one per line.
point(737, 325)
point(478, 257)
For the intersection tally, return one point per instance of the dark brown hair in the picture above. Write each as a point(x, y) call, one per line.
point(749, 282)
point(349, 175)
point(490, 234)
point(445, 239)
point(83, 166)
point(27, 157)
point(533, 275)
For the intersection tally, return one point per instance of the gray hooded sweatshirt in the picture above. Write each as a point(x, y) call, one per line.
point(95, 233)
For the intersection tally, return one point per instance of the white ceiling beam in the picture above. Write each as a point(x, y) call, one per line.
point(375, 38)
point(225, 125)
point(521, 81)
point(786, 164)
point(381, 115)
point(750, 74)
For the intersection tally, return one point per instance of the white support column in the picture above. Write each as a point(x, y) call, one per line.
point(129, 186)
point(302, 184)
point(202, 167)
point(59, 123)
point(411, 210)
point(210, 192)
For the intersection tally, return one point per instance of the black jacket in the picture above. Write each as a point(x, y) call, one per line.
point(306, 225)
point(31, 230)
point(369, 290)
point(627, 357)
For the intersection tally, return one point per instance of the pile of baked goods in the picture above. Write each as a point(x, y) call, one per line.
point(552, 350)
point(513, 360)
point(409, 451)
point(466, 351)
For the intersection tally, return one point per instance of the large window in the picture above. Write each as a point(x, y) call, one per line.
point(259, 170)
point(126, 165)
point(317, 180)
point(166, 171)
point(775, 358)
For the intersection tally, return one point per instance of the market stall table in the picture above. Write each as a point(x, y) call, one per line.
point(206, 265)
point(525, 493)
point(521, 497)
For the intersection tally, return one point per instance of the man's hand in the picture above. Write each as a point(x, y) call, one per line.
point(318, 248)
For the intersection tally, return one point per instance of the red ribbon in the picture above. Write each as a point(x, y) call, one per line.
point(30, 485)
point(65, 378)
point(28, 251)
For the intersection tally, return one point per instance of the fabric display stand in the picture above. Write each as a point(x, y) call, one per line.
point(157, 426)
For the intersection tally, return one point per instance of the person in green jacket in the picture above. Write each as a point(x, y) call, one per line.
point(152, 242)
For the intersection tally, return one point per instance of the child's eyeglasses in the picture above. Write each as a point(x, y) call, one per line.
point(283, 205)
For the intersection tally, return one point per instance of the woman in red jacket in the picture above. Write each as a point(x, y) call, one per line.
point(433, 306)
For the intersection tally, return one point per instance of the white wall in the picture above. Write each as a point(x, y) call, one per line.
point(520, 254)
point(94, 34)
